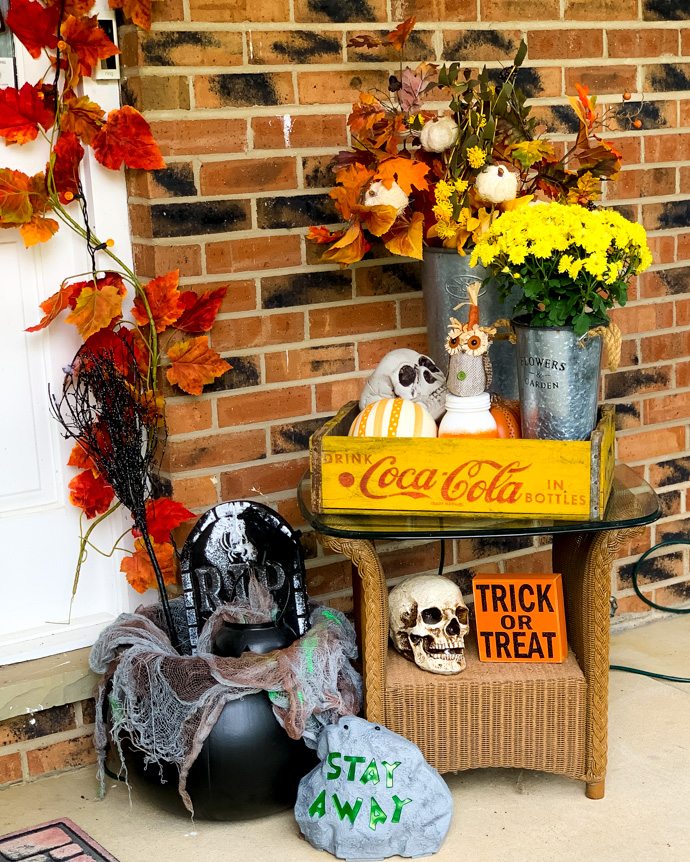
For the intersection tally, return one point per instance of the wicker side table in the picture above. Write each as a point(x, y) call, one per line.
point(550, 717)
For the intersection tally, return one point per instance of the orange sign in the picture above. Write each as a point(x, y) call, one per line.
point(520, 618)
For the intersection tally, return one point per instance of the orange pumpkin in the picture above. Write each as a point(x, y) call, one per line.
point(507, 420)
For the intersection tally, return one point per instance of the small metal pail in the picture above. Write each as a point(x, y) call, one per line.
point(558, 377)
point(446, 276)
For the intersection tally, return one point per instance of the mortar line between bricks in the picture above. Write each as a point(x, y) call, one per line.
point(264, 387)
point(622, 433)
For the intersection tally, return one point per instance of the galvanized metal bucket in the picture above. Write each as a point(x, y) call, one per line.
point(558, 376)
point(446, 276)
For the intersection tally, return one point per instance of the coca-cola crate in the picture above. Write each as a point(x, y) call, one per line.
point(563, 478)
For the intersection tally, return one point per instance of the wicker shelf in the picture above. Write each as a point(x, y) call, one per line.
point(523, 715)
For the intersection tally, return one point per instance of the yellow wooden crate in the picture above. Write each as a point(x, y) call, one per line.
point(561, 478)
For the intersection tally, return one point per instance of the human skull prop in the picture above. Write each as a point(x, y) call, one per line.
point(428, 623)
point(407, 374)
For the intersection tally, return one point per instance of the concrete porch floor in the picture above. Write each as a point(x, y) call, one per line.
point(500, 815)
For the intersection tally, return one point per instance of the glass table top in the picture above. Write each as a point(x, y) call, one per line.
point(632, 503)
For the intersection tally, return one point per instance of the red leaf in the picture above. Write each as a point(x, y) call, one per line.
point(138, 10)
point(200, 311)
point(401, 34)
point(138, 568)
point(79, 458)
point(90, 493)
point(68, 155)
point(126, 137)
point(34, 25)
point(119, 343)
point(88, 41)
point(194, 364)
point(21, 113)
point(323, 234)
point(65, 298)
point(15, 197)
point(163, 298)
point(162, 516)
point(81, 116)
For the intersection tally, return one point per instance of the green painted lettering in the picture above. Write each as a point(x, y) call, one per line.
point(371, 773)
point(318, 806)
point(377, 815)
point(346, 810)
point(336, 769)
point(398, 808)
point(390, 769)
point(353, 761)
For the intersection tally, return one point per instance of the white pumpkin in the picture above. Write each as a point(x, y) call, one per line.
point(394, 417)
point(439, 135)
point(496, 184)
point(378, 195)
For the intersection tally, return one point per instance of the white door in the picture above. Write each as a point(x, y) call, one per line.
point(39, 528)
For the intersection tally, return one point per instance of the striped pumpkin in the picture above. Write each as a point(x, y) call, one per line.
point(394, 417)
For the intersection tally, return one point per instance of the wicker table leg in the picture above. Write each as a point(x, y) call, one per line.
point(585, 561)
point(371, 617)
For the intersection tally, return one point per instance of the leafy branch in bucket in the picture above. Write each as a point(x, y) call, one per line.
point(168, 326)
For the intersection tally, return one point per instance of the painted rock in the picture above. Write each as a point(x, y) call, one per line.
point(372, 796)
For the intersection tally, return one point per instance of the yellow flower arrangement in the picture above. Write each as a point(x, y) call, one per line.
point(572, 263)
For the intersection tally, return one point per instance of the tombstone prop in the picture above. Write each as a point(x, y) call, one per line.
point(372, 796)
point(231, 544)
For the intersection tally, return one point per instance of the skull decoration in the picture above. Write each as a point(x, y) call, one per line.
point(428, 623)
point(407, 374)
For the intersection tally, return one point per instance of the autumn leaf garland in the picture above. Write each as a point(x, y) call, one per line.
point(167, 321)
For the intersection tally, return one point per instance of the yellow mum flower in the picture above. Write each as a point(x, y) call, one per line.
point(443, 191)
point(443, 211)
point(460, 186)
point(476, 157)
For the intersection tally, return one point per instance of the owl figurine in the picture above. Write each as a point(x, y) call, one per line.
point(469, 367)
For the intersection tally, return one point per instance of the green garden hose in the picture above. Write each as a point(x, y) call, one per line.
point(652, 604)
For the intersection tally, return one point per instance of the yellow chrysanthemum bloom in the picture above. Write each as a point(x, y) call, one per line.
point(476, 157)
point(443, 191)
point(443, 211)
point(460, 186)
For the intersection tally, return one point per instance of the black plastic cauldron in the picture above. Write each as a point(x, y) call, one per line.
point(248, 766)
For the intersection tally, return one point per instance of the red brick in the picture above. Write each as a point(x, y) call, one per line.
point(151, 184)
point(333, 88)
point(10, 768)
point(290, 510)
point(537, 563)
point(265, 252)
point(641, 43)
point(435, 10)
point(662, 248)
point(317, 361)
point(685, 42)
point(199, 137)
point(159, 93)
point(61, 755)
point(601, 79)
point(684, 175)
point(631, 605)
point(480, 45)
point(682, 375)
point(184, 48)
point(329, 578)
point(629, 148)
point(152, 260)
point(564, 44)
point(222, 11)
point(247, 175)
point(241, 295)
point(245, 409)
point(674, 594)
point(410, 559)
point(34, 725)
point(658, 348)
point(601, 10)
point(241, 332)
point(349, 320)
point(667, 408)
point(520, 10)
point(683, 312)
point(643, 318)
point(197, 493)
point(331, 396)
point(237, 89)
point(274, 133)
point(191, 416)
point(650, 444)
point(412, 313)
point(263, 479)
point(372, 352)
point(420, 46)
point(173, 10)
point(339, 12)
point(215, 450)
point(267, 47)
point(666, 148)
point(642, 183)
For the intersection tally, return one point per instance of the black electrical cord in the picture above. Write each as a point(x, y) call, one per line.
point(442, 561)
point(652, 604)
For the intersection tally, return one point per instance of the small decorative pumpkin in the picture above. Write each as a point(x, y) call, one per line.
point(496, 184)
point(507, 421)
point(394, 417)
point(378, 195)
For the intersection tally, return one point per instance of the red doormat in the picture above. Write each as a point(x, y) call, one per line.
point(52, 842)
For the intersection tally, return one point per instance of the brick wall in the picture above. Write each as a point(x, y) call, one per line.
point(46, 742)
point(249, 103)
